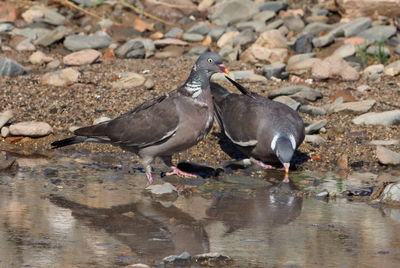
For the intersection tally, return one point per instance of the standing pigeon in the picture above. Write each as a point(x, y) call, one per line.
point(261, 128)
point(162, 126)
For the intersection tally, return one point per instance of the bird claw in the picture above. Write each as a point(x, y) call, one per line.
point(264, 166)
point(180, 173)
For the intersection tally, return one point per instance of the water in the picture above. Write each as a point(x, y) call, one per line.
point(70, 213)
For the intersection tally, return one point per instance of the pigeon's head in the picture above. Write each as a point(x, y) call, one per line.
point(284, 148)
point(211, 63)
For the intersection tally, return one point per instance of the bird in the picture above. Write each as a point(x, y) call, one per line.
point(264, 130)
point(162, 126)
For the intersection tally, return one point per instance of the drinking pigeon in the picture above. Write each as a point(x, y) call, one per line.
point(161, 126)
point(262, 129)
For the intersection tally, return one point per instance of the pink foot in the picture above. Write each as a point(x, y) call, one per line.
point(149, 176)
point(264, 166)
point(180, 173)
point(286, 178)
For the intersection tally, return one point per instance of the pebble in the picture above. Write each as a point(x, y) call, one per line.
point(324, 40)
point(334, 67)
point(374, 69)
point(217, 32)
point(384, 142)
point(304, 44)
point(244, 37)
point(53, 36)
point(61, 78)
point(82, 57)
point(6, 27)
point(201, 28)
point(387, 118)
point(295, 24)
point(10, 67)
point(356, 107)
point(212, 259)
point(227, 38)
point(378, 33)
point(264, 16)
point(356, 26)
point(393, 68)
point(314, 139)
point(30, 129)
point(315, 127)
point(31, 33)
point(312, 110)
point(149, 84)
point(391, 194)
point(169, 41)
point(25, 45)
point(315, 28)
point(183, 259)
point(162, 189)
point(192, 37)
point(363, 88)
point(40, 13)
point(302, 66)
point(346, 50)
point(132, 49)
point(386, 156)
point(227, 12)
point(6, 160)
point(53, 64)
point(79, 42)
point(5, 116)
point(5, 132)
point(39, 58)
point(129, 80)
point(273, 6)
point(288, 101)
point(273, 70)
point(174, 33)
point(256, 25)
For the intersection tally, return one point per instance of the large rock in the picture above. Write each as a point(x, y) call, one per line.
point(11, 68)
point(386, 156)
point(387, 118)
point(30, 129)
point(378, 33)
point(82, 57)
point(391, 194)
point(356, 107)
point(80, 42)
point(226, 12)
point(334, 67)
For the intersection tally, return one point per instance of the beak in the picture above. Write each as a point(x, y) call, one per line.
point(223, 68)
point(286, 166)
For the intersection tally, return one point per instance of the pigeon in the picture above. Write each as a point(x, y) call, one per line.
point(262, 129)
point(164, 125)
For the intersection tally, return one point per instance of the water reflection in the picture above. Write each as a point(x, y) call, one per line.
point(100, 217)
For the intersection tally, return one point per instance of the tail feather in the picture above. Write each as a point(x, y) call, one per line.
point(68, 141)
point(92, 131)
point(241, 88)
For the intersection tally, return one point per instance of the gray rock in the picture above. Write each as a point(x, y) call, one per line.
point(227, 12)
point(50, 16)
point(5, 116)
point(312, 110)
point(323, 40)
point(397, 50)
point(314, 139)
point(273, 70)
point(356, 107)
point(192, 37)
point(294, 24)
point(288, 101)
point(291, 90)
point(304, 44)
point(393, 68)
point(25, 45)
point(198, 50)
point(55, 35)
point(30, 129)
point(182, 259)
point(387, 118)
point(264, 16)
point(315, 28)
point(80, 42)
point(275, 6)
point(384, 142)
point(391, 193)
point(11, 68)
point(315, 127)
point(6, 27)
point(258, 26)
point(61, 78)
point(201, 28)
point(245, 37)
point(212, 259)
point(6, 160)
point(5, 132)
point(174, 32)
point(307, 95)
point(162, 189)
point(274, 25)
point(136, 48)
point(387, 157)
point(217, 32)
point(356, 26)
point(345, 50)
point(378, 33)
point(31, 33)
point(129, 80)
point(374, 50)
point(297, 58)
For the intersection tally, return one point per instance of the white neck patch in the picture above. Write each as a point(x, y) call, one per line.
point(276, 137)
point(194, 88)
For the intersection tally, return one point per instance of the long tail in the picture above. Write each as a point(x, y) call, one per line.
point(241, 88)
point(68, 141)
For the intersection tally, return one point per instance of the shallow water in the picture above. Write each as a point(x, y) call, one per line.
point(71, 213)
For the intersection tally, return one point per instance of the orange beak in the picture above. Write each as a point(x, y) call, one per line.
point(223, 68)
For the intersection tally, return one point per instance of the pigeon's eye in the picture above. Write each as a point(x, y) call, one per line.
point(210, 60)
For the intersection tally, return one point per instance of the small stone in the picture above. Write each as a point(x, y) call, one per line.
point(162, 189)
point(363, 88)
point(169, 41)
point(79, 42)
point(315, 127)
point(378, 33)
point(307, 95)
point(182, 260)
point(212, 259)
point(82, 57)
point(391, 194)
point(387, 118)
point(315, 28)
point(374, 69)
point(61, 78)
point(30, 129)
point(273, 70)
point(136, 49)
point(291, 90)
point(191, 37)
point(345, 50)
point(257, 26)
point(11, 68)
point(227, 12)
point(170, 52)
point(25, 45)
point(101, 120)
point(295, 24)
point(53, 64)
point(53, 36)
point(386, 156)
point(227, 38)
point(314, 139)
point(174, 33)
point(357, 107)
point(274, 25)
point(384, 142)
point(345, 94)
point(324, 40)
point(5, 132)
point(312, 110)
point(6, 160)
point(5, 116)
point(288, 101)
point(204, 5)
point(273, 6)
point(217, 32)
point(334, 67)
point(299, 57)
point(39, 58)
point(264, 16)
point(6, 27)
point(149, 84)
point(356, 26)
point(393, 68)
point(129, 80)
point(44, 14)
point(201, 28)
point(302, 66)
point(304, 44)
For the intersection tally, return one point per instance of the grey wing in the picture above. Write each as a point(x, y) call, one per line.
point(151, 122)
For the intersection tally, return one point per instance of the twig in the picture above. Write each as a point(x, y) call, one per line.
point(138, 11)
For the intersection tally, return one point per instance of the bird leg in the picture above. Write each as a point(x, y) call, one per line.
point(175, 170)
point(150, 179)
point(286, 166)
point(260, 163)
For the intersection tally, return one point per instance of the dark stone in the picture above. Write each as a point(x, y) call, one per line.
point(304, 44)
point(50, 172)
point(274, 6)
point(11, 68)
